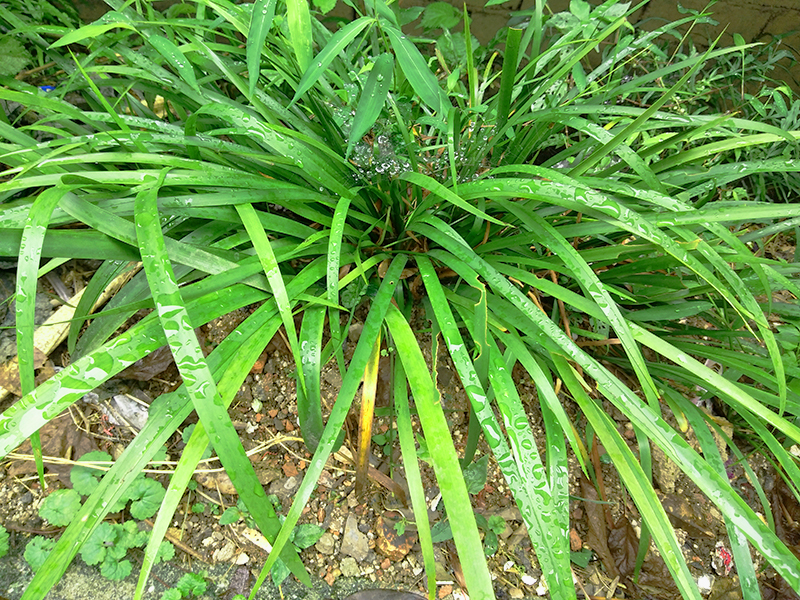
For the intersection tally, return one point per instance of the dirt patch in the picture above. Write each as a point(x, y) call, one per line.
point(362, 537)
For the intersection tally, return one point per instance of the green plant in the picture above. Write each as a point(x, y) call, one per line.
point(3, 541)
point(190, 585)
point(303, 536)
point(108, 545)
point(511, 208)
point(475, 478)
point(37, 551)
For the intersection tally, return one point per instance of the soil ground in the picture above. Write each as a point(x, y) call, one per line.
point(359, 536)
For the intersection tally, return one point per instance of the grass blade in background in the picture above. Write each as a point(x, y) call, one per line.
point(372, 99)
point(416, 70)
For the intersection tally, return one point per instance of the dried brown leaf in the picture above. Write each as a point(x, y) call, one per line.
point(9, 372)
point(60, 438)
point(597, 537)
point(150, 366)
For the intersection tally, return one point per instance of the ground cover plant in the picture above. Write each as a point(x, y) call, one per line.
point(534, 221)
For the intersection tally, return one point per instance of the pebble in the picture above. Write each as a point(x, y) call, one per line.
point(354, 543)
point(349, 567)
point(224, 554)
point(325, 544)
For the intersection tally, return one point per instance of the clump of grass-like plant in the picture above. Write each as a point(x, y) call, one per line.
point(536, 221)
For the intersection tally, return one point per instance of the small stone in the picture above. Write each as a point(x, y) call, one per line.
point(224, 554)
point(325, 544)
point(515, 592)
point(242, 559)
point(575, 541)
point(285, 489)
point(330, 578)
point(354, 543)
point(704, 584)
point(445, 590)
point(216, 480)
point(326, 479)
point(354, 332)
point(349, 567)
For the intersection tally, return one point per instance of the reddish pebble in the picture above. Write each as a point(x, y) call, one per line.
point(445, 590)
point(575, 542)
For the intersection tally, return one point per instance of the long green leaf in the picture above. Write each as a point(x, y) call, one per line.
point(30, 252)
point(195, 371)
point(372, 99)
point(636, 482)
point(262, 14)
point(299, 20)
point(245, 346)
point(309, 400)
point(411, 466)
point(335, 45)
point(445, 461)
point(416, 70)
point(175, 57)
